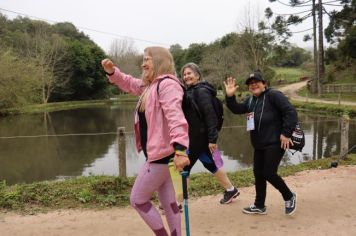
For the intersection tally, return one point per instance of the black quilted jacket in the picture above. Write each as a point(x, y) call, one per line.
point(201, 117)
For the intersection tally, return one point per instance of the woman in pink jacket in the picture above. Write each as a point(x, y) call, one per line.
point(161, 132)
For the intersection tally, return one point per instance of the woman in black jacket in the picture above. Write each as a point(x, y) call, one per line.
point(270, 120)
point(203, 128)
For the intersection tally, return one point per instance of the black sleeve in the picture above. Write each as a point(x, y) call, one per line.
point(204, 100)
point(289, 114)
point(235, 107)
point(179, 147)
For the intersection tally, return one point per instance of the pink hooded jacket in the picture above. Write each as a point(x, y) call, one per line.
point(166, 123)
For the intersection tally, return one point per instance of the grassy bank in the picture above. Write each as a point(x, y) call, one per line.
point(329, 109)
point(329, 96)
point(341, 76)
point(106, 191)
point(56, 106)
point(289, 74)
point(315, 107)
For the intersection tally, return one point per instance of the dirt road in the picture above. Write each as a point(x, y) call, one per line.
point(326, 206)
point(291, 91)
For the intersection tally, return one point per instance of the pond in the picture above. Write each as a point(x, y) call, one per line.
point(64, 144)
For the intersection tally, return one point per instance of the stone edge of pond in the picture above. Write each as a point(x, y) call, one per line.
point(102, 192)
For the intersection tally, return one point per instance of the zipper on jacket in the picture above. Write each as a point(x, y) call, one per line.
point(263, 106)
point(255, 106)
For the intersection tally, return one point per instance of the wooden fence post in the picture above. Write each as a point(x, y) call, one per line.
point(121, 141)
point(344, 142)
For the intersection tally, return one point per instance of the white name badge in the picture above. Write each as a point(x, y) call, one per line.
point(250, 119)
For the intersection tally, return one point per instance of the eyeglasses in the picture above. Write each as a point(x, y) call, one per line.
point(147, 58)
point(253, 82)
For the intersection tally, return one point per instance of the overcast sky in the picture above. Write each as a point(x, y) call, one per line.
point(160, 22)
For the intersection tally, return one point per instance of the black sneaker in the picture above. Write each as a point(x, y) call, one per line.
point(291, 205)
point(255, 210)
point(229, 195)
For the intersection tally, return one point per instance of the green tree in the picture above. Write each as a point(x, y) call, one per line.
point(178, 54)
point(219, 63)
point(194, 53)
point(124, 54)
point(341, 29)
point(348, 45)
point(69, 60)
point(87, 78)
point(341, 33)
point(281, 27)
point(341, 22)
point(237, 54)
point(19, 85)
point(47, 50)
point(292, 57)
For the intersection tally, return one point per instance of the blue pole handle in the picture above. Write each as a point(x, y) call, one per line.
point(185, 175)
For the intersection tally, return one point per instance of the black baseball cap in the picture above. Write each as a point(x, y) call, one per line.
point(255, 76)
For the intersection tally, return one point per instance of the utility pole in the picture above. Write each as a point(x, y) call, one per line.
point(316, 81)
point(321, 68)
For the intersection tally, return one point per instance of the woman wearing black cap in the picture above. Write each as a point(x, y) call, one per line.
point(270, 120)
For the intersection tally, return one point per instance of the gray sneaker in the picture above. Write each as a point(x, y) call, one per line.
point(255, 210)
point(229, 195)
point(291, 205)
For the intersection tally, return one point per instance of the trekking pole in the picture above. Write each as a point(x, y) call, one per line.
point(185, 197)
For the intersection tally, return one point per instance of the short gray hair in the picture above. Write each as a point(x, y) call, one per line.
point(194, 67)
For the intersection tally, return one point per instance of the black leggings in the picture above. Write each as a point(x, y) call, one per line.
point(265, 168)
point(206, 159)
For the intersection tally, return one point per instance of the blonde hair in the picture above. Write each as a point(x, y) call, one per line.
point(163, 62)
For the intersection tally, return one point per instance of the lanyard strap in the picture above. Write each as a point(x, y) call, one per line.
point(254, 107)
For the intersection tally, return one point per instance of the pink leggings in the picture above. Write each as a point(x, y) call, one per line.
point(151, 178)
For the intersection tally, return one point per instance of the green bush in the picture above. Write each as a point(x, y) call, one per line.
point(19, 83)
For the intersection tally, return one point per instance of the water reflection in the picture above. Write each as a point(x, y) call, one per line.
point(45, 158)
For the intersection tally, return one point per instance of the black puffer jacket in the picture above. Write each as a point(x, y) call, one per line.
point(278, 117)
point(201, 117)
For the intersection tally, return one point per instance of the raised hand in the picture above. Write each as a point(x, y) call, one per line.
point(108, 66)
point(230, 86)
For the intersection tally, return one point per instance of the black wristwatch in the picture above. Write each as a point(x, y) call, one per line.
point(110, 73)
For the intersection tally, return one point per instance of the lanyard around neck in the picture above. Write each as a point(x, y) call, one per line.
point(254, 108)
point(255, 105)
